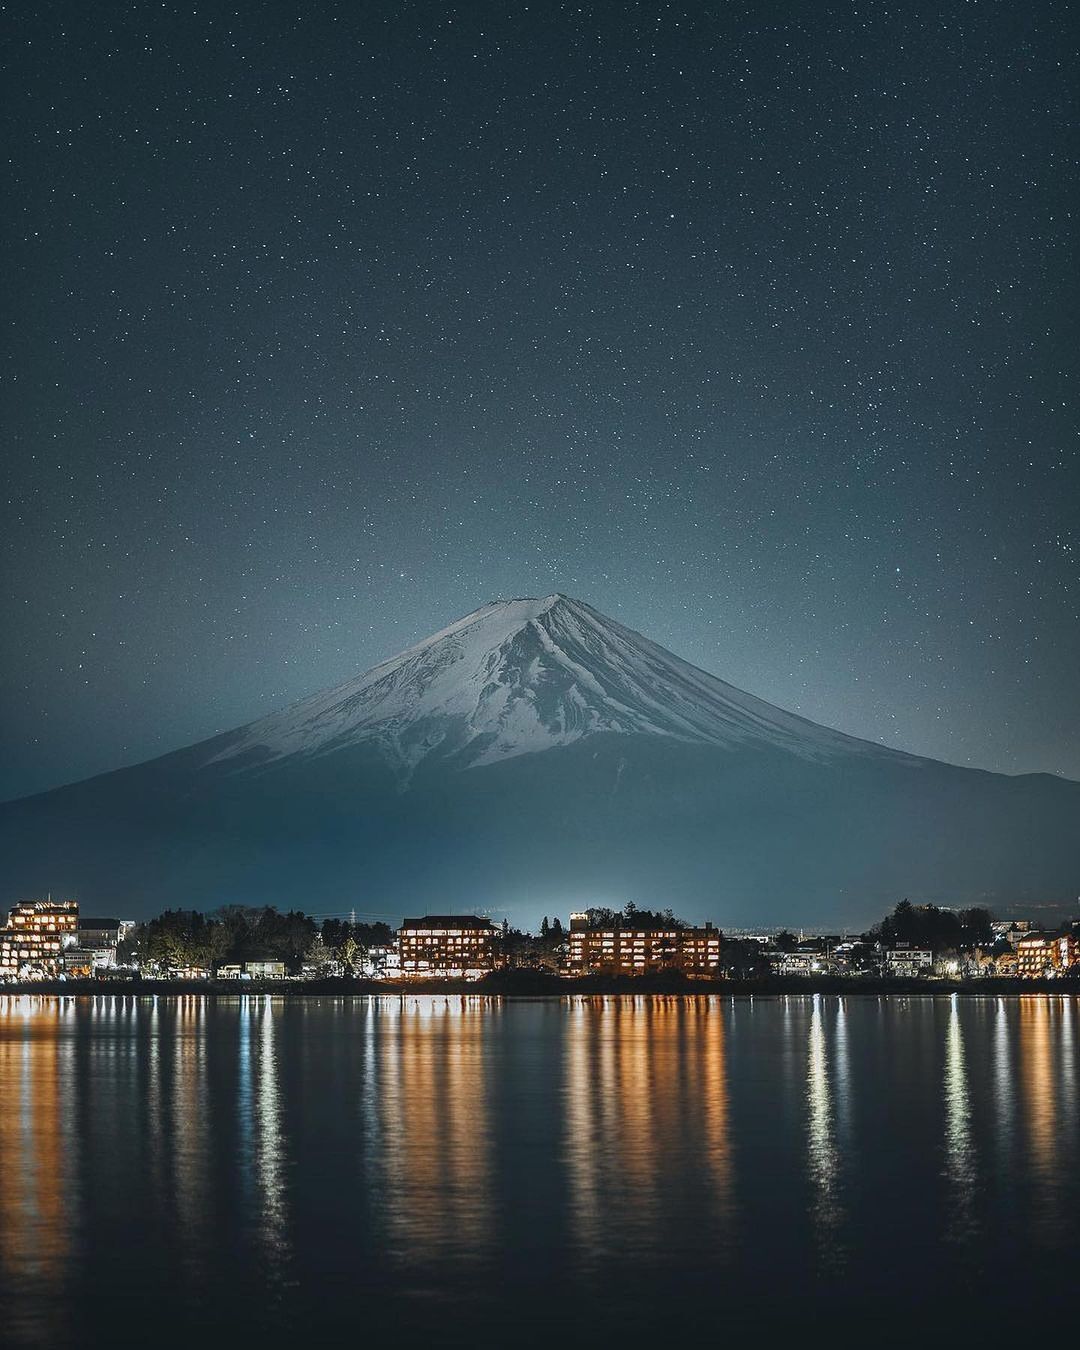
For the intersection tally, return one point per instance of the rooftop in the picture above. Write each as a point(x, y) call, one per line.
point(447, 921)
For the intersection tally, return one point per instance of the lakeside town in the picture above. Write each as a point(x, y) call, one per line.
point(44, 942)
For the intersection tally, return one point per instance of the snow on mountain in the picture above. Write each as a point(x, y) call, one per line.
point(520, 676)
point(662, 784)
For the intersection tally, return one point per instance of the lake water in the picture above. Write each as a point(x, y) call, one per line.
point(469, 1171)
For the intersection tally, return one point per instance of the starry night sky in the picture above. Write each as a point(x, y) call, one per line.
point(753, 325)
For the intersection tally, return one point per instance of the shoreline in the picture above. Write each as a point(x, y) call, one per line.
point(531, 985)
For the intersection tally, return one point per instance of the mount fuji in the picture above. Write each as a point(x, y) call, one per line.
point(535, 756)
point(521, 676)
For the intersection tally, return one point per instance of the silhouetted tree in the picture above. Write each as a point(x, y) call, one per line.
point(631, 917)
point(976, 927)
point(938, 929)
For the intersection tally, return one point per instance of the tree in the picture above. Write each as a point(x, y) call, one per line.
point(976, 928)
point(633, 918)
point(349, 948)
point(337, 934)
point(129, 949)
point(333, 932)
point(938, 929)
point(373, 935)
point(217, 945)
point(742, 959)
point(180, 937)
point(320, 955)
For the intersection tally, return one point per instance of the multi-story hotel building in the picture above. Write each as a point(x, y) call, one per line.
point(633, 951)
point(1039, 955)
point(1034, 956)
point(34, 937)
point(446, 946)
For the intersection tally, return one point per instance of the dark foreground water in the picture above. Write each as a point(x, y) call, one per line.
point(434, 1171)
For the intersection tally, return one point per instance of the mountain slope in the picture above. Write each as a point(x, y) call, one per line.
point(536, 756)
point(520, 676)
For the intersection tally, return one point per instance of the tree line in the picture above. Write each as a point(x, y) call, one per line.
point(239, 933)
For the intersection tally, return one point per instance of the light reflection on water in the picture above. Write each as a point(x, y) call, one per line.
point(823, 1160)
point(1047, 1071)
point(432, 1178)
point(1004, 1088)
point(263, 1125)
point(961, 1164)
point(36, 1222)
point(302, 1166)
point(185, 1141)
point(646, 1080)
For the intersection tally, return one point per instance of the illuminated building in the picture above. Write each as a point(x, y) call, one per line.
point(805, 963)
point(188, 973)
point(97, 934)
point(634, 951)
point(79, 963)
point(446, 946)
point(265, 970)
point(1039, 955)
point(1012, 930)
point(95, 947)
point(379, 963)
point(33, 940)
point(1034, 956)
point(252, 970)
point(905, 962)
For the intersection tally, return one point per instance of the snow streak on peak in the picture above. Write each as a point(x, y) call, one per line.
point(519, 676)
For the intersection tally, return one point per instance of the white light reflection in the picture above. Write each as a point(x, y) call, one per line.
point(261, 1132)
point(189, 1146)
point(269, 1150)
point(823, 1158)
point(960, 1161)
point(842, 1070)
point(1004, 1089)
point(155, 1115)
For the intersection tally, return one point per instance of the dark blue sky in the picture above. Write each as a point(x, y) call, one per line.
point(754, 325)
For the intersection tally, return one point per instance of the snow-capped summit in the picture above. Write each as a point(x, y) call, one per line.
point(545, 758)
point(518, 676)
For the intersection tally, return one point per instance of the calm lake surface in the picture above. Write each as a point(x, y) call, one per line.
point(447, 1170)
